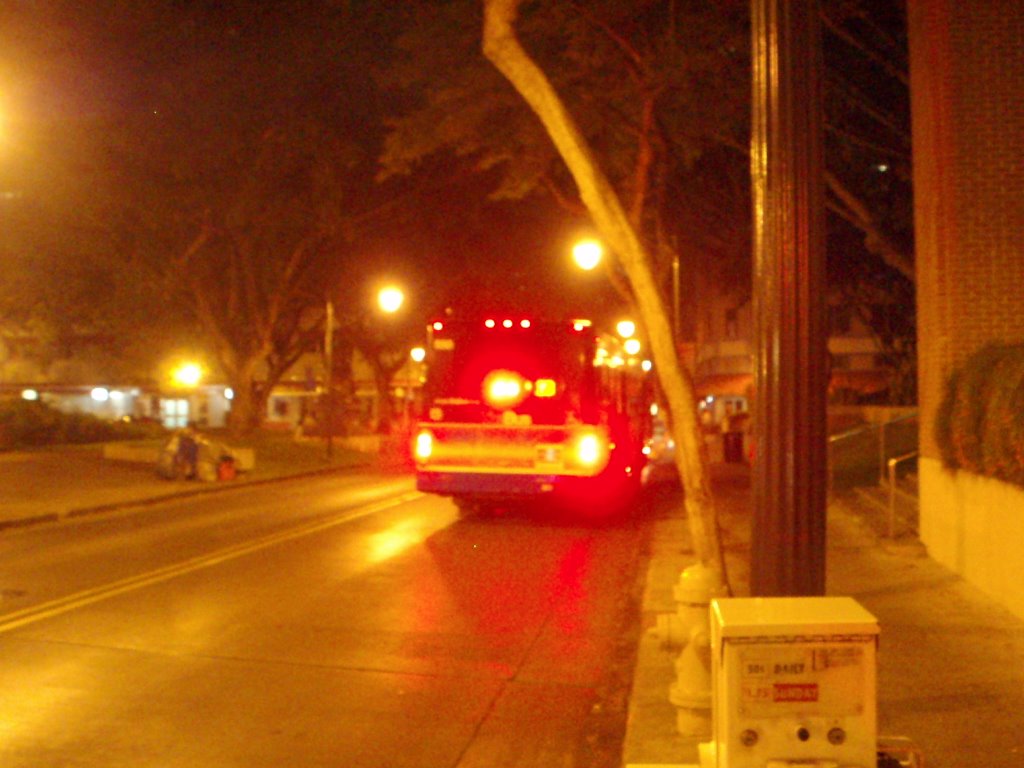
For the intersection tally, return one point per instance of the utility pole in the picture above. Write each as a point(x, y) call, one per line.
point(790, 464)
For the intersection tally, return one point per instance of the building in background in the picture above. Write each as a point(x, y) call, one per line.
point(205, 405)
point(724, 356)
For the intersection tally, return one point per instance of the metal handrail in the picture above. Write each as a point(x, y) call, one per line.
point(861, 429)
point(881, 439)
point(891, 465)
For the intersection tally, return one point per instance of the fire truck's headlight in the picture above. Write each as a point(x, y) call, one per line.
point(588, 450)
point(423, 447)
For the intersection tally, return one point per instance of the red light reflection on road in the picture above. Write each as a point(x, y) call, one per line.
point(570, 587)
point(511, 590)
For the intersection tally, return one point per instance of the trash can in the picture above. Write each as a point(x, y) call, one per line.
point(226, 468)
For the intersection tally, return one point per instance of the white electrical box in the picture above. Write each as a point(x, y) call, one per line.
point(793, 683)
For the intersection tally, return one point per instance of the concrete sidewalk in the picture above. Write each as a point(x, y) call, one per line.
point(951, 660)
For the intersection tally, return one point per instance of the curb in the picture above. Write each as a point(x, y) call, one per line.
point(219, 487)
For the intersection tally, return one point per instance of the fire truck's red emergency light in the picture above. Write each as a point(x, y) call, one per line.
point(504, 389)
point(525, 323)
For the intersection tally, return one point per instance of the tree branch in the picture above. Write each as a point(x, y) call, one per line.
point(894, 72)
point(857, 213)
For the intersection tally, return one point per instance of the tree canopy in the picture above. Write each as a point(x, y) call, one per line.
point(661, 91)
point(204, 173)
point(641, 80)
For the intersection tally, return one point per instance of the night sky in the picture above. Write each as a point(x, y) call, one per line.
point(72, 74)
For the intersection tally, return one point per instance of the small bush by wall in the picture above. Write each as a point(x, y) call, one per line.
point(979, 426)
point(26, 424)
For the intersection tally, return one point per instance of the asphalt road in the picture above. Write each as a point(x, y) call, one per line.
point(329, 621)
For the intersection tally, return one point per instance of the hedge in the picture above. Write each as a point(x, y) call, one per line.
point(979, 425)
point(28, 424)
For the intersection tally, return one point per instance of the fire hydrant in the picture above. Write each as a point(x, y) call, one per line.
point(688, 628)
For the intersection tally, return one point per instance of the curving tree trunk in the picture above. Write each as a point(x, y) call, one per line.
point(502, 48)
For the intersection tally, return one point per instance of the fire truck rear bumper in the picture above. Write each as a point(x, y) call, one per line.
point(486, 485)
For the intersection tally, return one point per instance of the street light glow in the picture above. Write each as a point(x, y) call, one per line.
point(390, 299)
point(418, 354)
point(587, 254)
point(626, 329)
point(187, 374)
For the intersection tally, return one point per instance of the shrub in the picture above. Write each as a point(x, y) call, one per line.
point(979, 425)
point(26, 424)
point(1001, 443)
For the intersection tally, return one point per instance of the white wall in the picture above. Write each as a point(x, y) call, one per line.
point(975, 526)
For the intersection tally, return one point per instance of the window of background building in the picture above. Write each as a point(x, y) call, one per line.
point(174, 413)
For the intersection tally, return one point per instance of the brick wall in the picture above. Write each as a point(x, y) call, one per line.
point(967, 91)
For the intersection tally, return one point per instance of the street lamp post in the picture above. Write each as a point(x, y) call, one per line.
point(390, 299)
point(328, 377)
point(675, 295)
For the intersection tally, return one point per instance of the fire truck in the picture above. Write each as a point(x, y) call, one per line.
point(521, 409)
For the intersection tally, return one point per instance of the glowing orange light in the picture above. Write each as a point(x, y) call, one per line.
point(504, 389)
point(545, 388)
point(390, 299)
point(187, 374)
point(587, 254)
point(625, 328)
point(438, 325)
